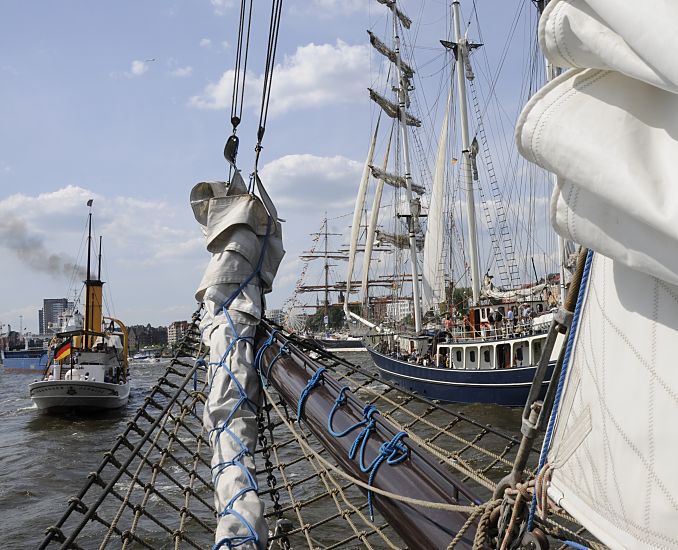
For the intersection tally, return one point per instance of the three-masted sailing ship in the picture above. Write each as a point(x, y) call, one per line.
point(485, 347)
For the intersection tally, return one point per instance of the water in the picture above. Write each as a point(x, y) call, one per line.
point(45, 460)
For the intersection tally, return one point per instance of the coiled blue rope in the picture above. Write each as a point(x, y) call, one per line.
point(312, 383)
point(561, 381)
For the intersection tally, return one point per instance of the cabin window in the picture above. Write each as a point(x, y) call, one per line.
point(472, 356)
point(459, 355)
point(540, 308)
point(536, 350)
point(519, 354)
point(486, 356)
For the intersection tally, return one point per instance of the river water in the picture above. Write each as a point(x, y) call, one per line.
point(45, 460)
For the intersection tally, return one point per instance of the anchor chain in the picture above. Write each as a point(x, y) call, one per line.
point(264, 425)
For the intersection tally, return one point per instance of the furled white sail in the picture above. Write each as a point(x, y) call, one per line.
point(387, 52)
point(433, 277)
point(372, 226)
point(391, 109)
point(399, 240)
point(489, 291)
point(395, 180)
point(609, 129)
point(357, 216)
point(406, 21)
point(245, 238)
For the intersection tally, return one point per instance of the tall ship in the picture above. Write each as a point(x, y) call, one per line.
point(463, 338)
point(87, 367)
point(308, 450)
point(322, 322)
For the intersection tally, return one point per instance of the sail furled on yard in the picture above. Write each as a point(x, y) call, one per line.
point(391, 109)
point(399, 240)
point(244, 235)
point(608, 128)
point(433, 276)
point(406, 21)
point(395, 180)
point(387, 52)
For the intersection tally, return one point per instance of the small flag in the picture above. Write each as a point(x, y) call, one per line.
point(63, 351)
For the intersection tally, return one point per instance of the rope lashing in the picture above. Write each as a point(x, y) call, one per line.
point(338, 402)
point(392, 452)
point(262, 254)
point(312, 383)
point(369, 424)
point(258, 358)
point(561, 381)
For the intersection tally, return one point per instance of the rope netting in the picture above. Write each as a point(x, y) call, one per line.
point(153, 489)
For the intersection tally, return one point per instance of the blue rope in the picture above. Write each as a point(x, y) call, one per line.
point(338, 402)
point(561, 381)
point(392, 452)
point(252, 536)
point(312, 383)
point(256, 272)
point(369, 424)
point(576, 545)
point(260, 352)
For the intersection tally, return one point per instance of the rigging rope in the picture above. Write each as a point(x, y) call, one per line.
point(274, 28)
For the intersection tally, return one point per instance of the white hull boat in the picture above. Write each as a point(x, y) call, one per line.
point(53, 395)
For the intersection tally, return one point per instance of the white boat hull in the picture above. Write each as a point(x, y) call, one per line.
point(78, 394)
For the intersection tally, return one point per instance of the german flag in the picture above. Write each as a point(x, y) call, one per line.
point(63, 351)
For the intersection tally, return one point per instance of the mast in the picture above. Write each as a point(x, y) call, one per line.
point(99, 270)
point(327, 279)
point(461, 53)
point(88, 306)
point(413, 203)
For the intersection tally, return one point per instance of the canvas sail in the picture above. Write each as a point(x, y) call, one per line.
point(608, 128)
point(433, 276)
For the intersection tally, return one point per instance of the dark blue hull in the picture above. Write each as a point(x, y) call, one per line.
point(508, 387)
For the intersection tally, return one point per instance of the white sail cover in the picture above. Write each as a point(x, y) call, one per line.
point(608, 128)
point(239, 228)
point(432, 275)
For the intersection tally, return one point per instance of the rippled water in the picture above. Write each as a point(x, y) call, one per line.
point(44, 460)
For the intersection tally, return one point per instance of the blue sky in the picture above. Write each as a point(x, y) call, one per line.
point(129, 103)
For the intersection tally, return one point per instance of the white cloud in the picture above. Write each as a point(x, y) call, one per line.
point(182, 72)
point(297, 182)
point(225, 45)
point(315, 75)
point(205, 43)
point(138, 68)
point(221, 7)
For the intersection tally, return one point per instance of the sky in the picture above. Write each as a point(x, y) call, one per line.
point(128, 103)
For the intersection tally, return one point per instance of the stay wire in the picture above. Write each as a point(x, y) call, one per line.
point(239, 78)
point(274, 28)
